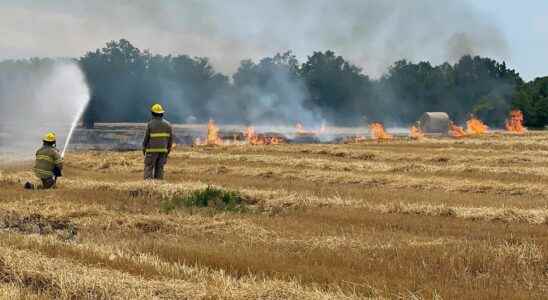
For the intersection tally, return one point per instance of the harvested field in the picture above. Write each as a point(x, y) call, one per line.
point(434, 218)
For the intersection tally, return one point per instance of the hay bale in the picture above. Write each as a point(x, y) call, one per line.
point(434, 123)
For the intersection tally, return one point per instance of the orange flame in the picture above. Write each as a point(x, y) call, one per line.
point(302, 131)
point(272, 140)
point(213, 134)
point(456, 131)
point(514, 123)
point(260, 139)
point(250, 135)
point(415, 133)
point(355, 139)
point(475, 126)
point(300, 128)
point(378, 132)
point(323, 129)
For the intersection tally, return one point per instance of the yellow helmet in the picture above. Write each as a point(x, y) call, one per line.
point(157, 109)
point(49, 137)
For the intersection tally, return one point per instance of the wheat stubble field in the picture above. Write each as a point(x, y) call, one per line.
point(429, 219)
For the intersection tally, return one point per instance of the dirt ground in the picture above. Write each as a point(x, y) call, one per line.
point(429, 219)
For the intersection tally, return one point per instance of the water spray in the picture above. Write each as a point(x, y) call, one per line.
point(51, 97)
point(72, 128)
point(70, 82)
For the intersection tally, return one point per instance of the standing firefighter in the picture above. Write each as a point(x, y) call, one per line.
point(48, 165)
point(157, 143)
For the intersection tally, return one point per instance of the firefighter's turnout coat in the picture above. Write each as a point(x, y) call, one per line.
point(48, 162)
point(158, 136)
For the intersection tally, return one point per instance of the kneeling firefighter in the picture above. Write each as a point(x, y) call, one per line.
point(157, 143)
point(48, 165)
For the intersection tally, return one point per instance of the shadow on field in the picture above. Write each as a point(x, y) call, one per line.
point(37, 224)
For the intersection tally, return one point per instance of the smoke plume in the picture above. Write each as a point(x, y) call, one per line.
point(371, 33)
point(36, 97)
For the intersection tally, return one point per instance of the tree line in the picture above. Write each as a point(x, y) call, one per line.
point(124, 82)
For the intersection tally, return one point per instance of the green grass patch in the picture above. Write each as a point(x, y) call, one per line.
point(210, 197)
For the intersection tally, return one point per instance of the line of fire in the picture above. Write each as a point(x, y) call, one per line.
point(431, 124)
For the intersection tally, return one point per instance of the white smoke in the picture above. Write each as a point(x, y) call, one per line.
point(279, 100)
point(371, 33)
point(36, 98)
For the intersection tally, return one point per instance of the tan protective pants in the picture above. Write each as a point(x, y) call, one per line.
point(154, 165)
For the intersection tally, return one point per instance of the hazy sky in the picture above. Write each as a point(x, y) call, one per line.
point(525, 26)
point(371, 33)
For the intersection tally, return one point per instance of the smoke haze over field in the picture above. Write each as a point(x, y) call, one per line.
point(221, 59)
point(371, 33)
point(37, 97)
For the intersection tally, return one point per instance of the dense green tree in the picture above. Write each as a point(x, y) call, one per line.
point(192, 85)
point(337, 87)
point(125, 81)
point(473, 85)
point(115, 74)
point(485, 88)
point(410, 89)
point(532, 99)
point(270, 91)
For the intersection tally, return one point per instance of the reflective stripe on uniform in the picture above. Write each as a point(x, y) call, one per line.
point(44, 157)
point(43, 172)
point(60, 160)
point(160, 135)
point(156, 150)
